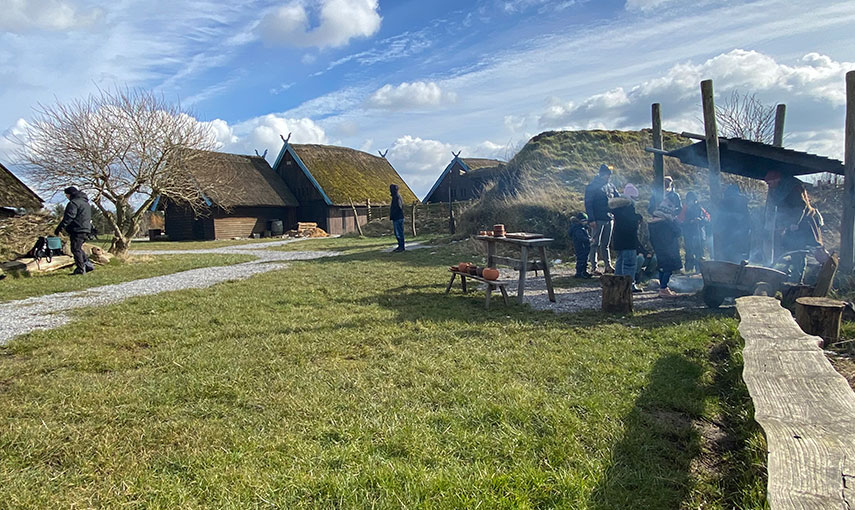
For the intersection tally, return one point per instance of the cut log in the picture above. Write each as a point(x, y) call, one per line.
point(29, 265)
point(617, 293)
point(820, 316)
point(826, 276)
point(792, 291)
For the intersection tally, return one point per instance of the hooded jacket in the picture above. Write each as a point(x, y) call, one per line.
point(77, 218)
point(597, 196)
point(625, 230)
point(396, 209)
point(580, 235)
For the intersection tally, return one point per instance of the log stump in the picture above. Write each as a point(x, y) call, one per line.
point(790, 292)
point(820, 316)
point(617, 293)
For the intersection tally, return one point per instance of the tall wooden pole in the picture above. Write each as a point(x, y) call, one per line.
point(847, 228)
point(658, 160)
point(714, 163)
point(780, 114)
point(450, 211)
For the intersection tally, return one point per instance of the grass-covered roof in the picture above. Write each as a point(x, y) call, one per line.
point(478, 163)
point(347, 174)
point(15, 194)
point(236, 180)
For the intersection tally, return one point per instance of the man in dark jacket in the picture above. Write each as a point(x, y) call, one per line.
point(597, 196)
point(396, 214)
point(625, 238)
point(581, 238)
point(77, 221)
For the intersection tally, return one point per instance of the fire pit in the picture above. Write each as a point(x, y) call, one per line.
point(727, 279)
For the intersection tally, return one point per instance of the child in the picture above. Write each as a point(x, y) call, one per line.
point(581, 237)
point(625, 231)
point(665, 237)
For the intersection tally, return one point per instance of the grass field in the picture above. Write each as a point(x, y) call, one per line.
point(354, 382)
point(134, 268)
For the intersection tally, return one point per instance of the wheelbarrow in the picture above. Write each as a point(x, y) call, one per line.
point(728, 279)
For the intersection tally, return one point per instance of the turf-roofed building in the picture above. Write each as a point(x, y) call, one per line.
point(14, 194)
point(330, 182)
point(244, 196)
point(464, 179)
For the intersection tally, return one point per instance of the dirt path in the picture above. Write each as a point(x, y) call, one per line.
point(51, 311)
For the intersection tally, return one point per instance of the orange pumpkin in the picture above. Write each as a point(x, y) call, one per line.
point(490, 273)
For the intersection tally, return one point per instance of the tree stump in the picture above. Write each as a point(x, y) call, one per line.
point(790, 292)
point(617, 293)
point(820, 316)
point(826, 276)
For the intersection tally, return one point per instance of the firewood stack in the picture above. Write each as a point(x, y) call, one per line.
point(306, 229)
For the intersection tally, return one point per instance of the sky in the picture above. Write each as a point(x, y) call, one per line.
point(424, 78)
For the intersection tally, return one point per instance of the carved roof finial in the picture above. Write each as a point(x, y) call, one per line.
point(383, 154)
point(456, 155)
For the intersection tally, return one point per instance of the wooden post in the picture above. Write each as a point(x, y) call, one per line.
point(820, 317)
point(414, 220)
point(847, 228)
point(658, 160)
point(617, 293)
point(450, 211)
point(780, 113)
point(368, 205)
point(711, 133)
point(356, 218)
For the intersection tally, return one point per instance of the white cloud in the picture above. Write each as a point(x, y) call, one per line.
point(9, 140)
point(339, 22)
point(410, 95)
point(24, 15)
point(812, 88)
point(263, 133)
point(645, 5)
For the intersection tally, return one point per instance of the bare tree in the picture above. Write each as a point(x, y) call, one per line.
point(124, 147)
point(745, 116)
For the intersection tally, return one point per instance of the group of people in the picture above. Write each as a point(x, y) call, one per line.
point(649, 246)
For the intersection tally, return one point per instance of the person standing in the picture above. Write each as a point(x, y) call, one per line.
point(798, 225)
point(597, 195)
point(581, 237)
point(625, 238)
point(396, 214)
point(693, 218)
point(665, 237)
point(77, 221)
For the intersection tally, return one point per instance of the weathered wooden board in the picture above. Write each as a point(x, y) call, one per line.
point(806, 409)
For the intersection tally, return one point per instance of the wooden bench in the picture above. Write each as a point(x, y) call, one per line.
point(806, 410)
point(491, 285)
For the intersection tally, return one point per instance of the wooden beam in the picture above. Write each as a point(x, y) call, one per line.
point(656, 151)
point(847, 227)
point(806, 409)
point(693, 136)
point(658, 160)
point(714, 163)
point(780, 114)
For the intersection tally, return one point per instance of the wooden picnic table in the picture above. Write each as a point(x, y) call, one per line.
point(522, 264)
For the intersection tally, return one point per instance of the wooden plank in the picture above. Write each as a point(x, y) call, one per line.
point(516, 264)
point(806, 409)
point(521, 286)
point(826, 276)
point(714, 163)
point(658, 160)
point(29, 265)
point(780, 115)
point(847, 224)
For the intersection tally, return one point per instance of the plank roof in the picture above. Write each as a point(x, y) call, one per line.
point(15, 194)
point(754, 159)
point(342, 174)
point(251, 180)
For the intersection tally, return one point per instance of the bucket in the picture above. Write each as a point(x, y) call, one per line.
point(276, 228)
point(54, 243)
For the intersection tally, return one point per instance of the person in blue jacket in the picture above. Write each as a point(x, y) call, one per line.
point(581, 237)
point(396, 214)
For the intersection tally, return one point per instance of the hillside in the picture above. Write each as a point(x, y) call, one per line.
point(573, 157)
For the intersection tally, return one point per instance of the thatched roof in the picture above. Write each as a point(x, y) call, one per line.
point(249, 180)
point(473, 167)
point(345, 174)
point(15, 194)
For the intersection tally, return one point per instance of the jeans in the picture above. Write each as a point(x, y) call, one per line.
point(398, 227)
point(81, 260)
point(626, 263)
point(664, 278)
point(602, 236)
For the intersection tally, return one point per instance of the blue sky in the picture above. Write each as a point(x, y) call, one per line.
point(423, 78)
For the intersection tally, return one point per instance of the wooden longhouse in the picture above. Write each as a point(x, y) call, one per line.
point(331, 182)
point(256, 198)
point(464, 179)
point(14, 194)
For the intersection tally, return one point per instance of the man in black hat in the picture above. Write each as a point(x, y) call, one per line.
point(597, 196)
point(77, 221)
point(396, 214)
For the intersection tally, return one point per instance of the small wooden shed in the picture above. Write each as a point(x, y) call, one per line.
point(330, 182)
point(256, 198)
point(14, 194)
point(464, 179)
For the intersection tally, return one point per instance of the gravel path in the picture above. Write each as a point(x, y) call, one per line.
point(48, 312)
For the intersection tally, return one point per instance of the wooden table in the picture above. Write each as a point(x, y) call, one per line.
point(522, 264)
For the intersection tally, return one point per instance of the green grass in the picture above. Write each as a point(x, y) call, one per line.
point(193, 245)
point(354, 382)
point(137, 267)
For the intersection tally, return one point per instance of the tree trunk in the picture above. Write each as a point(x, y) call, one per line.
point(617, 293)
